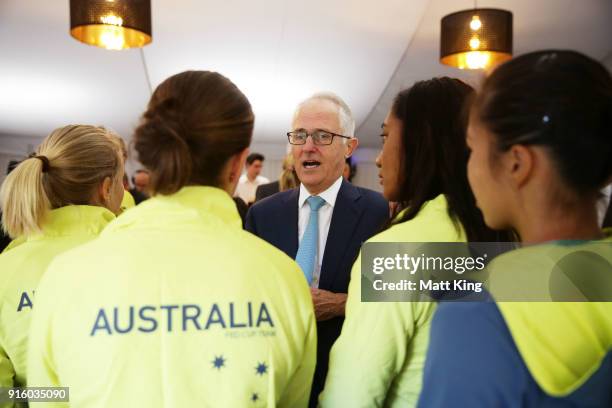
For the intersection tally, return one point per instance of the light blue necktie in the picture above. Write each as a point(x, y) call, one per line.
point(308, 247)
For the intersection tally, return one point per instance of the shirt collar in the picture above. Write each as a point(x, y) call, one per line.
point(328, 195)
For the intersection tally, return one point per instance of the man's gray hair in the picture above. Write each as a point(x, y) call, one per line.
point(345, 116)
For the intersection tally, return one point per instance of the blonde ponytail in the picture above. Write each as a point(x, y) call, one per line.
point(22, 213)
point(68, 167)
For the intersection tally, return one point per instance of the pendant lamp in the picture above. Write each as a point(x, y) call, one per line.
point(111, 24)
point(476, 38)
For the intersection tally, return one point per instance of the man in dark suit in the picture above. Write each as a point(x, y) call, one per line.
point(323, 223)
point(140, 180)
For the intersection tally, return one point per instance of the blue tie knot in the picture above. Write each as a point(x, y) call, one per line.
point(315, 202)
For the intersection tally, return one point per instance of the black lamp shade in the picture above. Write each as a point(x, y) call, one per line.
point(111, 24)
point(476, 38)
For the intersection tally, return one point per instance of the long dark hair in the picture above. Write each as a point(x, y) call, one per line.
point(435, 154)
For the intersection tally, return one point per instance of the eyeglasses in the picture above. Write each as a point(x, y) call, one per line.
point(319, 137)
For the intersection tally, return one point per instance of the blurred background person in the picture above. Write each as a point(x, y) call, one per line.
point(248, 183)
point(422, 168)
point(323, 223)
point(540, 136)
point(59, 198)
point(350, 169)
point(140, 180)
point(128, 200)
point(176, 305)
point(287, 180)
point(242, 208)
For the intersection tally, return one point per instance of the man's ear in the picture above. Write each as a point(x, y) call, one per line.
point(351, 145)
point(521, 161)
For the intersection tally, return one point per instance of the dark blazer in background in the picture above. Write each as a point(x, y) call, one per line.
point(266, 190)
point(242, 208)
point(358, 214)
point(138, 196)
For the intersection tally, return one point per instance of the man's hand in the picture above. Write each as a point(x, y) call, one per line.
point(327, 304)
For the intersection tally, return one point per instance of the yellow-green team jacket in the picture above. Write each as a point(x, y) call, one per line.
point(175, 306)
point(128, 201)
point(379, 357)
point(21, 269)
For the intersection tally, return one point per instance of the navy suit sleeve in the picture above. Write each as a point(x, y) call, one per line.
point(472, 360)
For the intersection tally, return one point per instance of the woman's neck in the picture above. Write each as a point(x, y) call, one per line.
point(560, 224)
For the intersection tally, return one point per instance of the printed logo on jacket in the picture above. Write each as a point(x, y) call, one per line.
point(181, 318)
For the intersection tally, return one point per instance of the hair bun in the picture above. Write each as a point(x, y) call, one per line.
point(168, 109)
point(160, 143)
point(165, 132)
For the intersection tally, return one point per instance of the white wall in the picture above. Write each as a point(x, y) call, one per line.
point(367, 172)
point(18, 147)
point(15, 147)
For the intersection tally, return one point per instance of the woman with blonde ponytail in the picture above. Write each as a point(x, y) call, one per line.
point(60, 197)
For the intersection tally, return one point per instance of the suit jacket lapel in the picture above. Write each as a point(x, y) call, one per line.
point(288, 218)
point(345, 218)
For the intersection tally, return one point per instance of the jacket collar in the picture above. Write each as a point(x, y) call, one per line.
point(199, 201)
point(74, 220)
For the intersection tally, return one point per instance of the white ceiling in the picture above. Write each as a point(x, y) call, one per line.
point(276, 51)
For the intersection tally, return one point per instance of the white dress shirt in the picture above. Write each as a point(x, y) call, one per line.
point(325, 216)
point(246, 188)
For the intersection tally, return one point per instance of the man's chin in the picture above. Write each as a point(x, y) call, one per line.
point(311, 183)
point(310, 176)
